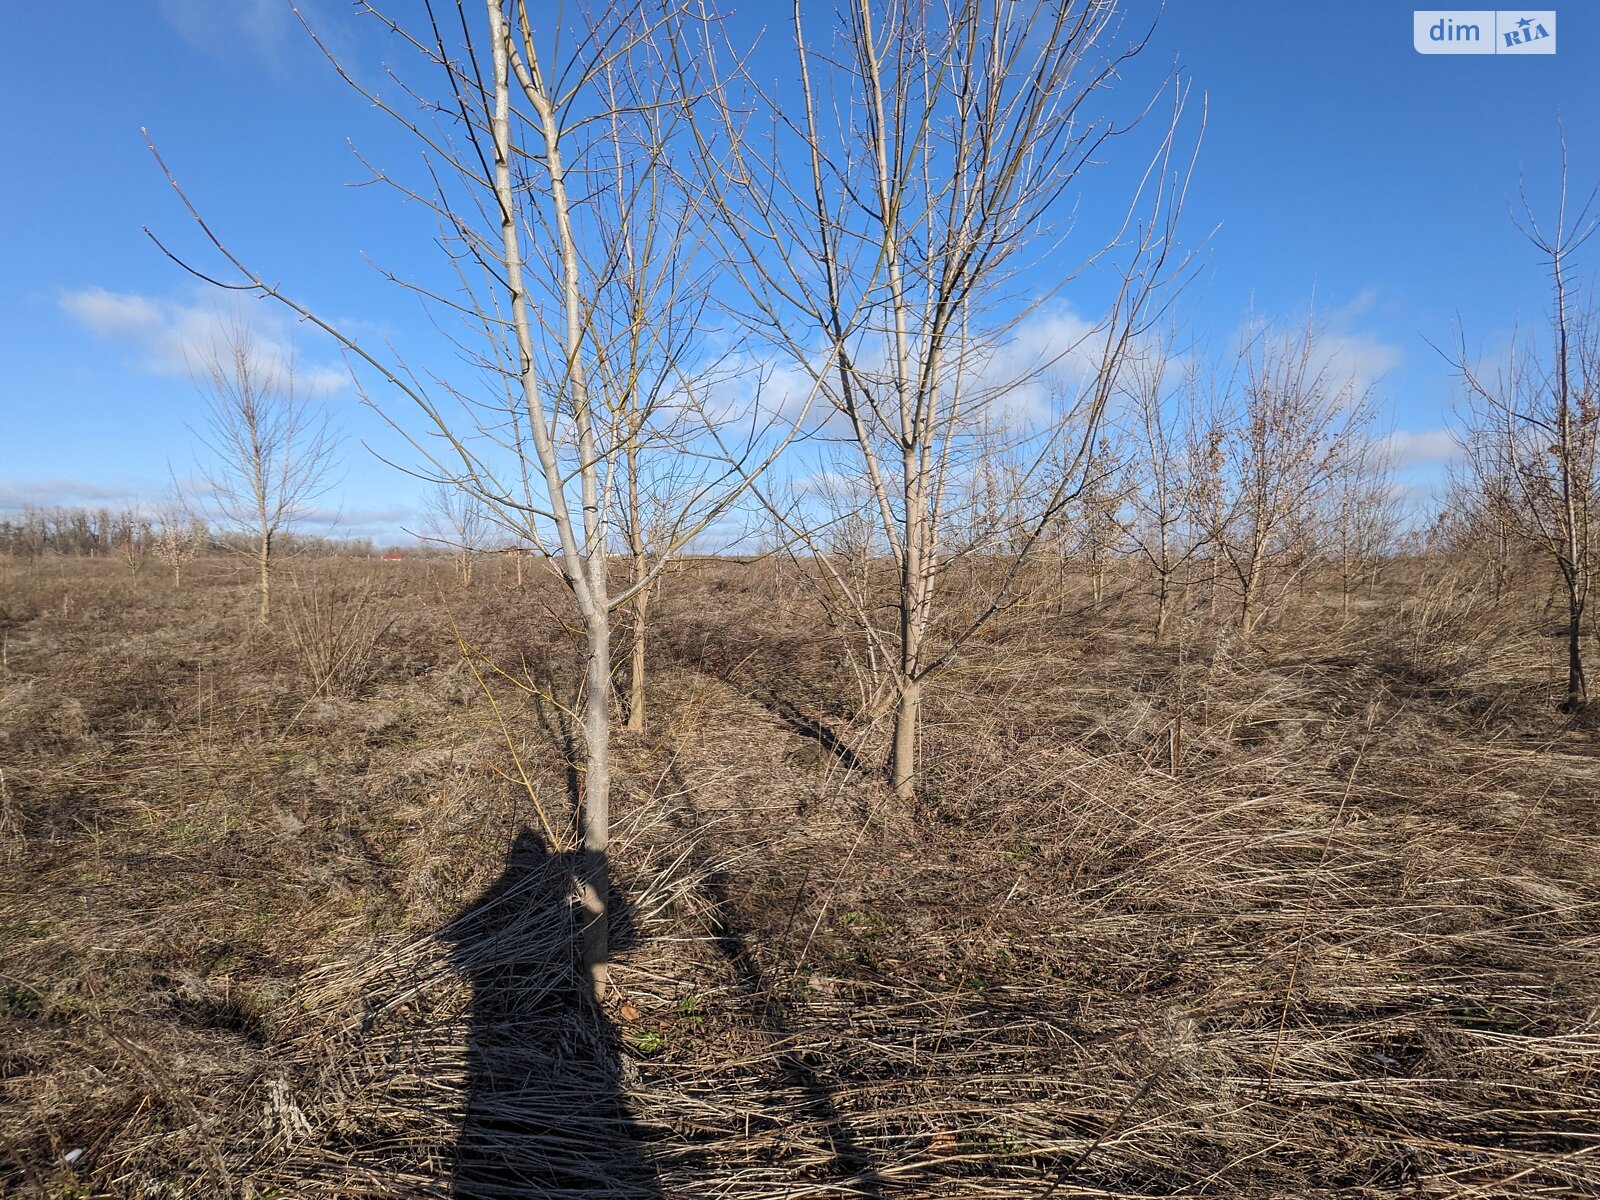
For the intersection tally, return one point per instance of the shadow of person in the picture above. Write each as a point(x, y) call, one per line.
point(545, 1114)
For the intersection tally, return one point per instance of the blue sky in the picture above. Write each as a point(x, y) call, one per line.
point(1339, 168)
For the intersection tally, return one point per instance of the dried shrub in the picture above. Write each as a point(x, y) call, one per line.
point(336, 628)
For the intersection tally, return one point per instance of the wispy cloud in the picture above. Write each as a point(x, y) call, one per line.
point(1414, 448)
point(113, 314)
point(222, 30)
point(269, 33)
point(174, 338)
point(1361, 357)
point(1053, 356)
point(1347, 350)
point(357, 522)
point(1053, 352)
point(72, 493)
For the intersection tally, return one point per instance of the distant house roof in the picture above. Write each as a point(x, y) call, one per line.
point(392, 556)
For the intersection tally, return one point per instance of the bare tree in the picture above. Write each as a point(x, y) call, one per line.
point(654, 488)
point(177, 538)
point(647, 325)
point(877, 233)
point(31, 537)
point(569, 245)
point(513, 548)
point(1474, 521)
point(456, 520)
point(272, 452)
point(1364, 515)
point(1288, 429)
point(129, 534)
point(1161, 490)
point(1532, 434)
point(1096, 511)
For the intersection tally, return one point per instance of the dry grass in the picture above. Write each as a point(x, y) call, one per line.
point(336, 626)
point(1340, 937)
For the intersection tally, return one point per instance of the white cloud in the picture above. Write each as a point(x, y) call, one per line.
point(1360, 357)
point(831, 486)
point(375, 523)
point(1054, 354)
point(1350, 351)
point(113, 314)
point(1410, 448)
point(139, 493)
point(1053, 350)
point(1343, 351)
point(71, 493)
point(746, 388)
point(1357, 358)
point(175, 338)
point(1364, 301)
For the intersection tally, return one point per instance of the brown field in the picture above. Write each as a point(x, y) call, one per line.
point(278, 916)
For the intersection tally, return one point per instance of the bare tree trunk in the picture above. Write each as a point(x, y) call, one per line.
point(264, 586)
point(1250, 587)
point(594, 879)
point(585, 561)
point(903, 760)
point(1575, 523)
point(1577, 687)
point(915, 602)
point(1061, 576)
point(641, 604)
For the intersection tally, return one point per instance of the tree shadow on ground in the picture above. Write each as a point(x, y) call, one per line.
point(545, 1113)
point(799, 722)
point(813, 1107)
